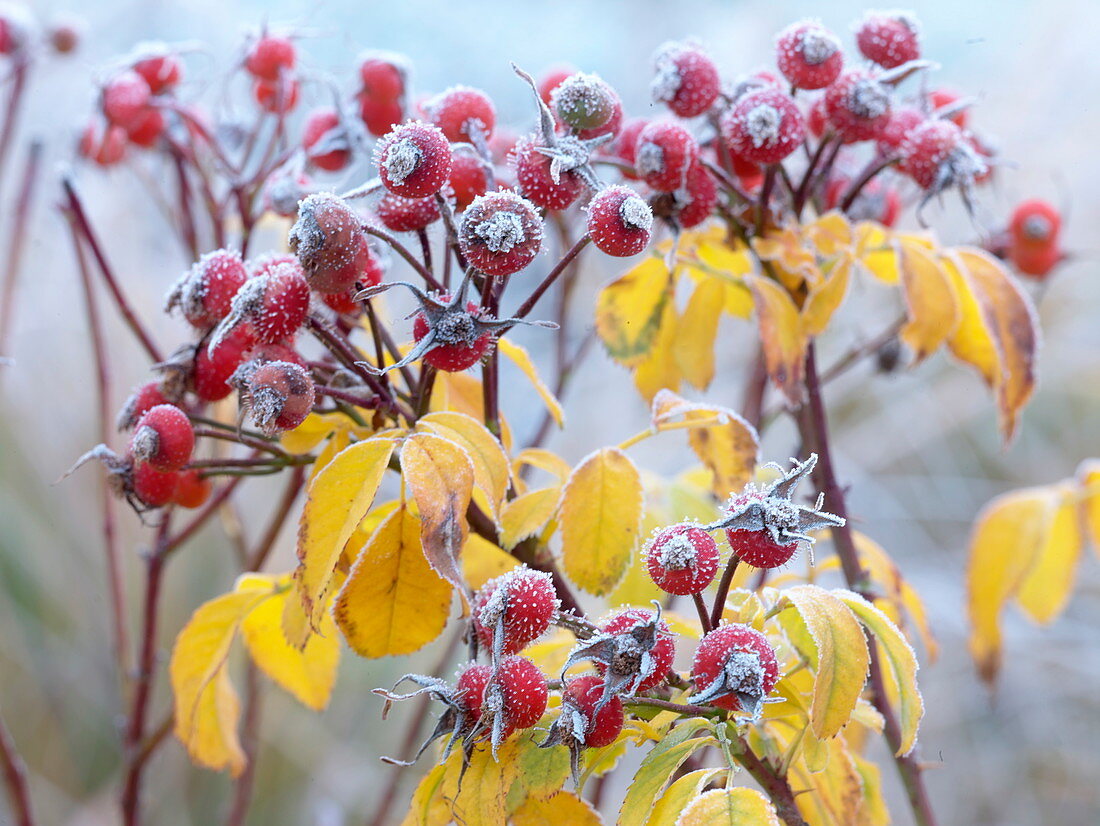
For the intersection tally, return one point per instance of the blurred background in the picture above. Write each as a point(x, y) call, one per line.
point(920, 449)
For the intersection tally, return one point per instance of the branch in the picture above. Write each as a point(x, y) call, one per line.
point(15, 778)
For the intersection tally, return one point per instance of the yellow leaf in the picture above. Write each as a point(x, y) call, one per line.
point(781, 336)
point(206, 707)
point(601, 514)
point(824, 299)
point(522, 360)
point(337, 498)
point(637, 586)
point(836, 793)
point(311, 432)
point(730, 265)
point(729, 447)
point(482, 561)
point(659, 369)
point(831, 235)
point(1007, 538)
point(441, 477)
point(541, 771)
point(932, 306)
point(561, 808)
point(872, 810)
point(392, 602)
point(876, 253)
point(729, 807)
point(477, 796)
point(902, 661)
point(667, 809)
point(338, 440)
point(542, 459)
point(839, 656)
point(490, 463)
point(793, 262)
point(1045, 588)
point(696, 331)
point(527, 514)
point(630, 311)
point(308, 674)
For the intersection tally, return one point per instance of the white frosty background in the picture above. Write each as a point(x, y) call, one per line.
point(920, 450)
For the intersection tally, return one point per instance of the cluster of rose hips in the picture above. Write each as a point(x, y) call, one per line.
point(734, 667)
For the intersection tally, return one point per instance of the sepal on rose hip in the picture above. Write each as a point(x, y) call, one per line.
point(764, 526)
point(451, 327)
point(634, 649)
point(587, 719)
point(735, 668)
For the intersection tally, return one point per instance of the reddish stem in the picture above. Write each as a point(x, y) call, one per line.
point(17, 244)
point(15, 778)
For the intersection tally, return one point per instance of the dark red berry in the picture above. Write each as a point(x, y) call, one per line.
point(414, 160)
point(764, 127)
point(462, 113)
point(152, 487)
point(204, 294)
point(459, 343)
point(329, 241)
point(325, 140)
point(888, 38)
point(634, 623)
point(125, 99)
point(857, 106)
point(143, 399)
point(734, 667)
point(211, 370)
point(407, 214)
point(279, 395)
point(619, 221)
point(514, 609)
point(383, 76)
point(270, 57)
point(535, 179)
point(469, 178)
point(602, 727)
point(192, 490)
point(663, 154)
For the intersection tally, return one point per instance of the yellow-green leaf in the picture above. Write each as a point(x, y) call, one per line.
point(660, 369)
point(781, 335)
point(696, 331)
point(630, 309)
point(393, 602)
point(876, 252)
point(492, 472)
point(1008, 536)
point(601, 514)
point(668, 807)
point(477, 796)
point(519, 357)
point(729, 807)
point(337, 498)
point(542, 771)
point(206, 706)
point(839, 657)
point(441, 477)
point(558, 809)
point(902, 661)
point(527, 514)
point(309, 673)
point(931, 304)
point(658, 766)
point(1089, 476)
point(427, 807)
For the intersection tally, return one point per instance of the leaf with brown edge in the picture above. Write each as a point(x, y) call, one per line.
point(393, 602)
point(725, 443)
point(838, 656)
point(1046, 587)
point(601, 516)
point(932, 308)
point(337, 499)
point(824, 299)
point(1007, 538)
point(492, 472)
point(308, 673)
point(560, 808)
point(206, 706)
point(630, 311)
point(520, 357)
point(696, 331)
point(1016, 329)
point(441, 477)
point(781, 336)
point(738, 806)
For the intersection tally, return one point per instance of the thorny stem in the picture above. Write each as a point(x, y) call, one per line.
point(803, 192)
point(873, 168)
point(15, 778)
point(17, 244)
point(774, 783)
point(701, 609)
point(115, 580)
point(76, 209)
point(401, 250)
point(815, 432)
